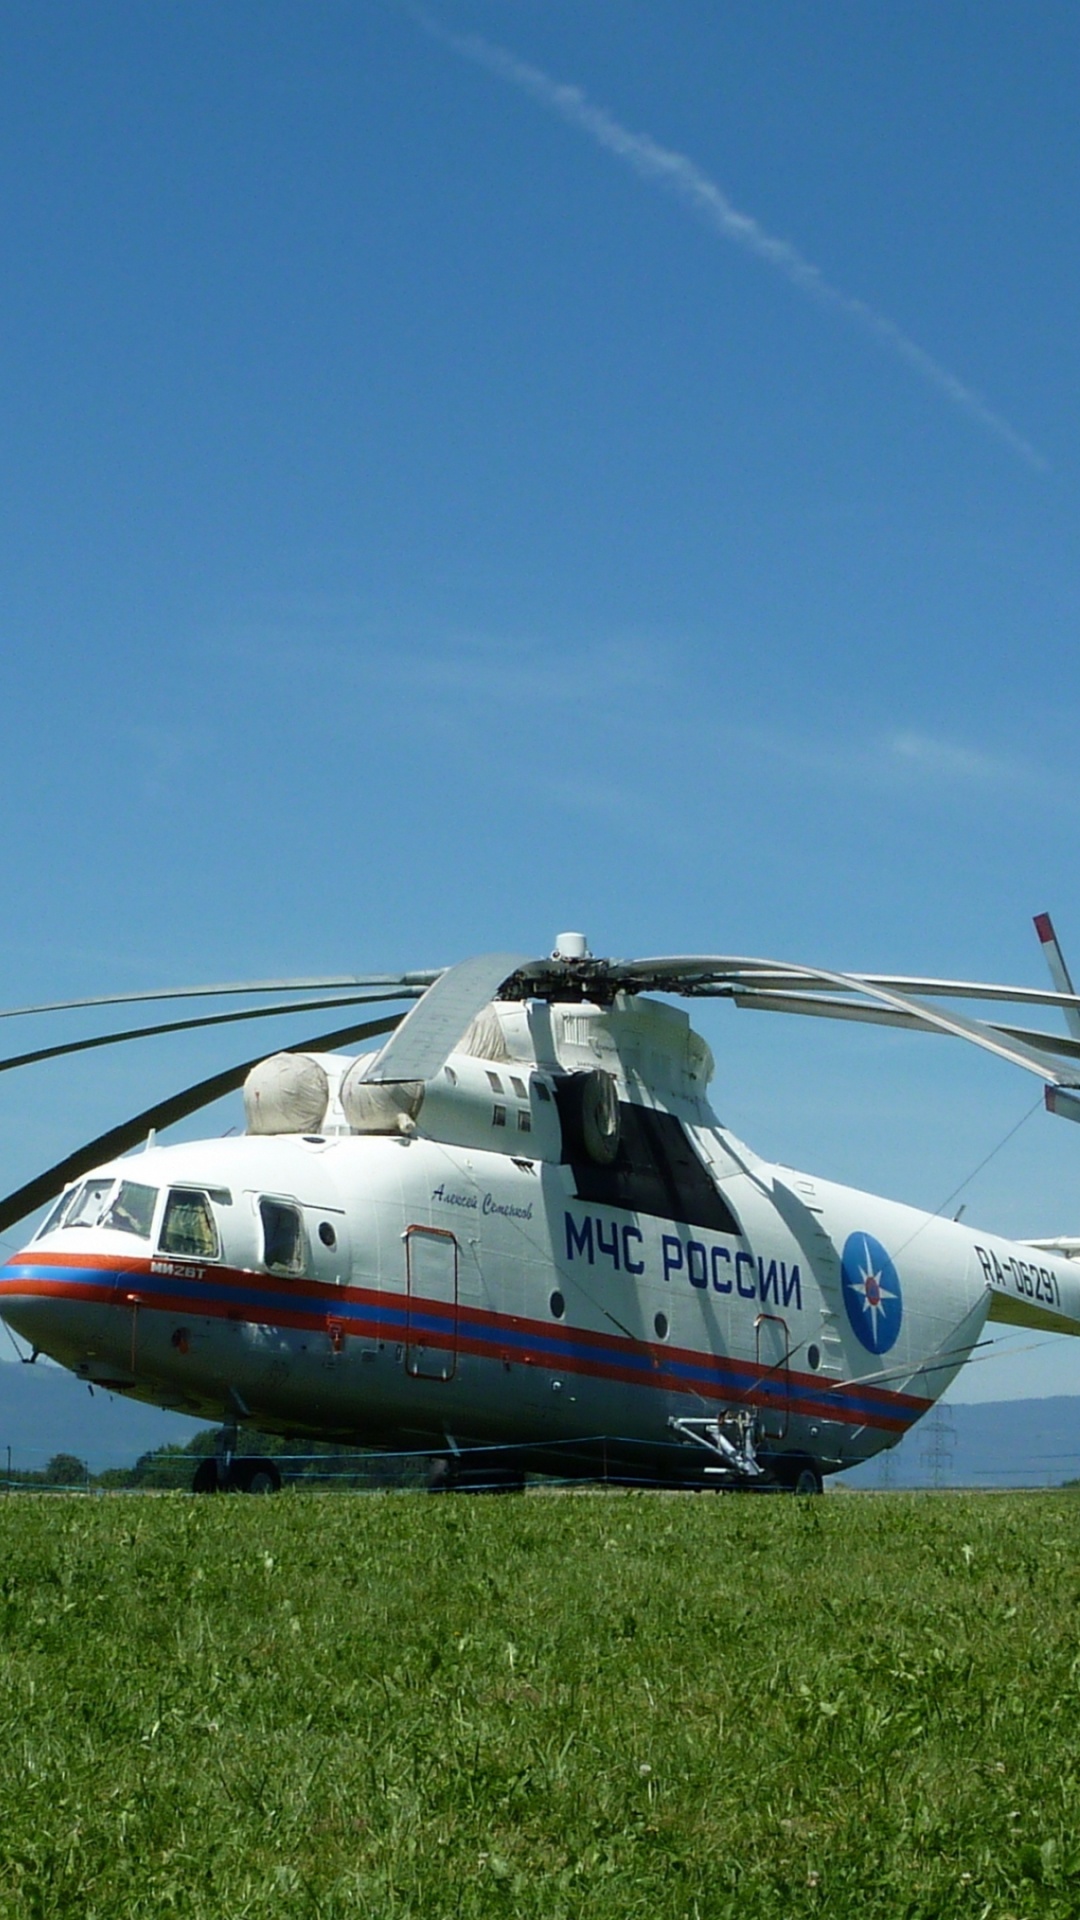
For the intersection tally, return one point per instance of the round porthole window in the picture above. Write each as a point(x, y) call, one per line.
point(813, 1358)
point(661, 1325)
point(557, 1305)
point(327, 1234)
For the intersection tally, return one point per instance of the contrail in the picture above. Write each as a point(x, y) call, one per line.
point(679, 174)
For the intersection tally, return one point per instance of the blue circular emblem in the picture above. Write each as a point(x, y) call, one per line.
point(872, 1295)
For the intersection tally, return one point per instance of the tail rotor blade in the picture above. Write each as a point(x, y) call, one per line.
point(1059, 972)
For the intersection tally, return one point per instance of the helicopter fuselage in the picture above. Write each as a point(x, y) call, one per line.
point(489, 1275)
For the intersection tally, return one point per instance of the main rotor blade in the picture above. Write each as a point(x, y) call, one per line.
point(204, 1020)
point(107, 1146)
point(435, 1025)
point(822, 1007)
point(708, 973)
point(420, 980)
point(885, 1004)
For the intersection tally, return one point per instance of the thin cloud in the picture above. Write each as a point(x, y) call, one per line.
point(900, 762)
point(681, 176)
point(503, 671)
point(507, 673)
point(950, 760)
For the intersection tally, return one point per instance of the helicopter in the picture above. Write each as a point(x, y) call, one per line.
point(515, 1238)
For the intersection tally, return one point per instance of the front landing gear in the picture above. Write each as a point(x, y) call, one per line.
point(230, 1472)
point(251, 1475)
point(255, 1476)
point(485, 1472)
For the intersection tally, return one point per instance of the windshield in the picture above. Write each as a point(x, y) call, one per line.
point(56, 1217)
point(86, 1207)
point(132, 1211)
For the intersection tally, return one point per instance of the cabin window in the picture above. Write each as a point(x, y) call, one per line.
point(188, 1227)
point(524, 1122)
point(85, 1209)
point(132, 1211)
point(498, 1116)
point(494, 1082)
point(283, 1237)
point(518, 1085)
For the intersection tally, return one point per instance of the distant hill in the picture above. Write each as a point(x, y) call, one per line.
point(44, 1410)
point(1003, 1443)
point(1000, 1443)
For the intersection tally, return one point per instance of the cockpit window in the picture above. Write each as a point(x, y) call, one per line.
point(188, 1226)
point(283, 1237)
point(56, 1217)
point(86, 1207)
point(132, 1211)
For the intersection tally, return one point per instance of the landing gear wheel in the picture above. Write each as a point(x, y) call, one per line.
point(440, 1474)
point(206, 1477)
point(796, 1473)
point(446, 1475)
point(260, 1476)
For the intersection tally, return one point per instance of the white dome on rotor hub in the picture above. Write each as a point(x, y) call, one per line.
point(571, 946)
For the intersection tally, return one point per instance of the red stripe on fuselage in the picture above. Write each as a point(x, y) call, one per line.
point(604, 1358)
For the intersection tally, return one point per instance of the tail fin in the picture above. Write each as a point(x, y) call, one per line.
point(1034, 1292)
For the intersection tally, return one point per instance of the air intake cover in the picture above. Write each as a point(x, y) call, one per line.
point(288, 1093)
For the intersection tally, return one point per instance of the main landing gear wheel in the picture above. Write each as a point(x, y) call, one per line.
point(796, 1473)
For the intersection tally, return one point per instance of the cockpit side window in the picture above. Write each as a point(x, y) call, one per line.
point(56, 1217)
point(86, 1207)
point(188, 1226)
point(283, 1237)
point(132, 1210)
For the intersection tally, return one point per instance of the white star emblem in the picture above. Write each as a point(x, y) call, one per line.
point(870, 1290)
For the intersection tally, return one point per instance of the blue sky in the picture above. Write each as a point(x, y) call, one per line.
point(472, 473)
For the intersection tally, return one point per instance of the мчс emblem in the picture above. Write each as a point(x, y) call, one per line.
point(872, 1295)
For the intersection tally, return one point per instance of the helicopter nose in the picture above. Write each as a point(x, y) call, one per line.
point(33, 1319)
point(53, 1308)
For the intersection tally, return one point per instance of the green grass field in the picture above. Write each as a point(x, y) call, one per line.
point(598, 1706)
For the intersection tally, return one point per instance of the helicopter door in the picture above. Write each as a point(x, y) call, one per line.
point(431, 1323)
point(774, 1380)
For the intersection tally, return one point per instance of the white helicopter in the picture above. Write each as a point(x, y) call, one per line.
point(519, 1240)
